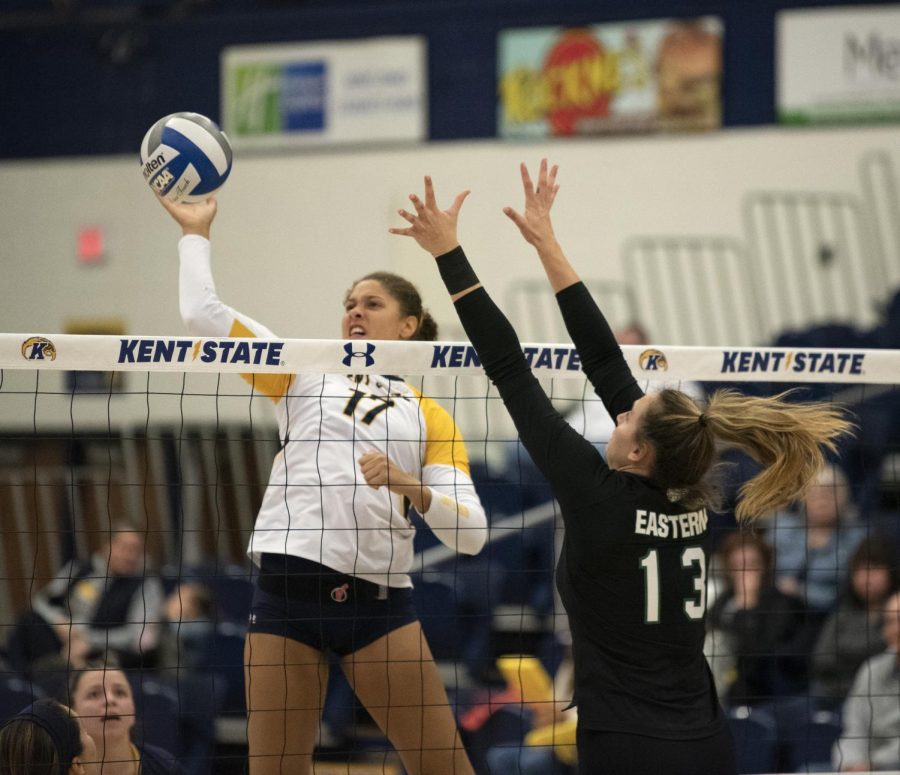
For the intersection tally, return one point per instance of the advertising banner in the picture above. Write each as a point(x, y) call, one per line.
point(645, 76)
point(335, 356)
point(838, 65)
point(328, 92)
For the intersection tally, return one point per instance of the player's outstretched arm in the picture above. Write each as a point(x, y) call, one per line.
point(202, 311)
point(562, 454)
point(536, 227)
point(601, 356)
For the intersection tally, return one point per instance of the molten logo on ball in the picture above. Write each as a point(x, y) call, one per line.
point(154, 164)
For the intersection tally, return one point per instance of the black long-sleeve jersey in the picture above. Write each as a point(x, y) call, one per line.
point(632, 572)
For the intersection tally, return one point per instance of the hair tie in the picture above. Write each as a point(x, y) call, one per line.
point(701, 418)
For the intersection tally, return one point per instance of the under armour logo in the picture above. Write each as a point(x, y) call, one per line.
point(340, 594)
point(351, 354)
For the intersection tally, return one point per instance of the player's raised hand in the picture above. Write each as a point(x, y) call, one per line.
point(534, 222)
point(433, 228)
point(193, 218)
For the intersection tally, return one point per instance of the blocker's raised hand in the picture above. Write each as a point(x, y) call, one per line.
point(534, 223)
point(433, 228)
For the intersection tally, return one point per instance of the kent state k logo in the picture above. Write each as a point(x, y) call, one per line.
point(37, 348)
point(351, 354)
point(653, 360)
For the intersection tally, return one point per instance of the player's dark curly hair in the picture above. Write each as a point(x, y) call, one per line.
point(410, 301)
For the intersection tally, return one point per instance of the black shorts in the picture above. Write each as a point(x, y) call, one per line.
point(332, 612)
point(614, 753)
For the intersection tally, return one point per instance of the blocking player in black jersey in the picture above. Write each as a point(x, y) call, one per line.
point(632, 572)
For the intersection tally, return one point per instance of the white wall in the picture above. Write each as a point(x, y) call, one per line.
point(294, 230)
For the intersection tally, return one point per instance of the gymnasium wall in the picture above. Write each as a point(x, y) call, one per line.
point(294, 230)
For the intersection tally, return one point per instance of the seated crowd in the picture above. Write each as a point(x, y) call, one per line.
point(803, 632)
point(802, 616)
point(103, 638)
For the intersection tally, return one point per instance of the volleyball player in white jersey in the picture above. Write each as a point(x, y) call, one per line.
point(333, 541)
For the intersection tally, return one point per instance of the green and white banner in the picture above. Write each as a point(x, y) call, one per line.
point(838, 65)
point(323, 93)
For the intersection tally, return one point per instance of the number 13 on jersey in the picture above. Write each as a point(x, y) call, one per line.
point(693, 560)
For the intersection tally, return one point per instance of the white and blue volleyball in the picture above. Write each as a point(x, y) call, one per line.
point(185, 157)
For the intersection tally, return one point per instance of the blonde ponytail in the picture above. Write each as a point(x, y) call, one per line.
point(787, 438)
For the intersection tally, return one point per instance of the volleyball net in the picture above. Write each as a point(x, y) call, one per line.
point(161, 438)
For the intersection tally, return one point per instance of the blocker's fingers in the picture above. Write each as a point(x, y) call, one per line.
point(430, 201)
point(458, 202)
point(515, 217)
point(526, 180)
point(417, 203)
point(551, 180)
point(406, 215)
point(402, 232)
point(542, 174)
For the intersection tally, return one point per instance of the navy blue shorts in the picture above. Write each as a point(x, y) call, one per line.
point(329, 611)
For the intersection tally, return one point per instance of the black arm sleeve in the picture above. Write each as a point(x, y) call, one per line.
point(601, 356)
point(567, 460)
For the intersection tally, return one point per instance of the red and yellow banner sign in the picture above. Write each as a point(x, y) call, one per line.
point(637, 76)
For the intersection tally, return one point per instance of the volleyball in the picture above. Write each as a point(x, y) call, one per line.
point(185, 157)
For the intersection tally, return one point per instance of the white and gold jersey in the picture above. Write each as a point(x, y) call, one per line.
point(317, 504)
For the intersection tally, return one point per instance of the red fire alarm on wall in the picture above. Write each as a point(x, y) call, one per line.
point(90, 245)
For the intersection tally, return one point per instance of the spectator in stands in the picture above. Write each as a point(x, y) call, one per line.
point(878, 413)
point(853, 633)
point(556, 715)
point(871, 716)
point(110, 601)
point(102, 697)
point(813, 546)
point(206, 679)
point(46, 738)
point(188, 624)
point(761, 630)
